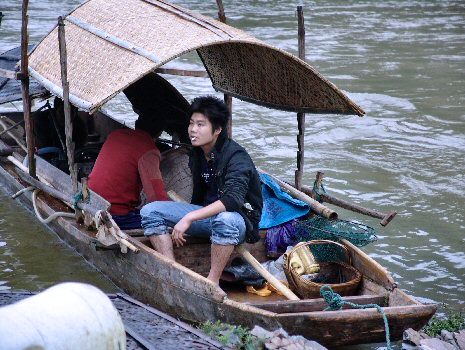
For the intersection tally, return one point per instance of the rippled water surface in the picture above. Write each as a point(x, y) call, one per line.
point(402, 61)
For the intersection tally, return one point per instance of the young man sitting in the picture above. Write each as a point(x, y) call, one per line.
point(226, 202)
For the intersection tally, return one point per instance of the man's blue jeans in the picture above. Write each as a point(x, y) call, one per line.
point(225, 228)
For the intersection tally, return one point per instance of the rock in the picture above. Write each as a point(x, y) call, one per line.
point(435, 344)
point(460, 339)
point(279, 339)
point(448, 337)
point(260, 333)
point(412, 337)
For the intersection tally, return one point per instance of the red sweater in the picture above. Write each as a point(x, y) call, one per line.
point(128, 161)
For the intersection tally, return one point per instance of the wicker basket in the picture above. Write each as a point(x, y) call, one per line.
point(345, 277)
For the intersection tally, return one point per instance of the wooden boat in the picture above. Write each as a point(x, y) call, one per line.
point(104, 60)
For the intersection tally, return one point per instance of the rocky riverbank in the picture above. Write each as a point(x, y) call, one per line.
point(445, 340)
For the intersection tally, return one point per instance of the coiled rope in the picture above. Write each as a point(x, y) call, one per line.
point(51, 217)
point(335, 302)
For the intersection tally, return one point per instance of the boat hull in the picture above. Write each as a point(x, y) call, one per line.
point(172, 288)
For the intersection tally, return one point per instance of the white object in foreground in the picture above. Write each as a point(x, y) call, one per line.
point(66, 316)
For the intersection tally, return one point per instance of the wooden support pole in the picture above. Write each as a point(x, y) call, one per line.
point(29, 125)
point(66, 105)
point(221, 14)
point(227, 98)
point(228, 102)
point(300, 116)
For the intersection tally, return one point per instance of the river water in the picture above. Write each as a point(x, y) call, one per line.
point(403, 62)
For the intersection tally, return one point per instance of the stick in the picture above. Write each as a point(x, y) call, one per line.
point(300, 116)
point(66, 106)
point(227, 98)
point(316, 206)
point(265, 274)
point(29, 126)
point(386, 217)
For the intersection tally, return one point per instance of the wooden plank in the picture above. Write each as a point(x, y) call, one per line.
point(311, 305)
point(347, 327)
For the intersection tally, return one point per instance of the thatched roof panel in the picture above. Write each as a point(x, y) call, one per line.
point(113, 43)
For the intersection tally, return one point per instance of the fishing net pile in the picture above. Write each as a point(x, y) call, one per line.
point(317, 228)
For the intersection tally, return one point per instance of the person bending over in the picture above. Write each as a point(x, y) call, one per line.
point(128, 162)
point(226, 201)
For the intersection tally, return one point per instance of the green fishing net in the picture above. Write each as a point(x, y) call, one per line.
point(318, 227)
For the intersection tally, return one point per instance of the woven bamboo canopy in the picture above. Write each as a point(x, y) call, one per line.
point(113, 43)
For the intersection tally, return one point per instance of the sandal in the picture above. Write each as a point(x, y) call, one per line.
point(262, 292)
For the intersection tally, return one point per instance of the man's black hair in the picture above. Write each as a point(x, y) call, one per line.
point(213, 108)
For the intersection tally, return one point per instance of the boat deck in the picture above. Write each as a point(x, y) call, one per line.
point(146, 327)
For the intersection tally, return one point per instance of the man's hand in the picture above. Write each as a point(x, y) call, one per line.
point(179, 229)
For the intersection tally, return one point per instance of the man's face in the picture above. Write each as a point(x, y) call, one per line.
point(201, 132)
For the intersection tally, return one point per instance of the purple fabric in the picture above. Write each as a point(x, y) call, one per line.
point(278, 238)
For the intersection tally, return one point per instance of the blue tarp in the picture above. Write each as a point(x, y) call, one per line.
point(278, 206)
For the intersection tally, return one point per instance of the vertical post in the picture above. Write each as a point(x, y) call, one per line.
point(28, 123)
point(221, 14)
point(228, 102)
point(227, 98)
point(66, 106)
point(300, 116)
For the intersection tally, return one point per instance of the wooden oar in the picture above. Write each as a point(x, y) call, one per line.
point(241, 249)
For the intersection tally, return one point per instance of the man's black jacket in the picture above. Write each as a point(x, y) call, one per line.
point(239, 187)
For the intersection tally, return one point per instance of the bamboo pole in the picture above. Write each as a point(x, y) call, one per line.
point(385, 217)
point(300, 116)
point(66, 105)
point(265, 274)
point(221, 14)
point(28, 123)
point(227, 98)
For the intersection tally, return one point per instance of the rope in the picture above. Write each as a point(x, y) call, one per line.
point(20, 192)
point(318, 191)
point(51, 217)
point(335, 302)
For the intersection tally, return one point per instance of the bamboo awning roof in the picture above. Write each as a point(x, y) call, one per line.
point(113, 43)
